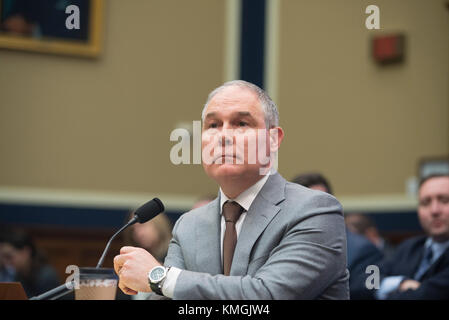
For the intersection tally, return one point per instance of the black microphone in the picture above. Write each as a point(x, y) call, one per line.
point(149, 210)
point(143, 214)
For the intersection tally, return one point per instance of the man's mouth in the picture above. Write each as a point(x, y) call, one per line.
point(436, 223)
point(226, 158)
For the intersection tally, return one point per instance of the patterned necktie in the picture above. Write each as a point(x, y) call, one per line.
point(231, 213)
point(425, 263)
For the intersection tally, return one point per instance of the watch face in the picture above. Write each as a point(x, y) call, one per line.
point(157, 274)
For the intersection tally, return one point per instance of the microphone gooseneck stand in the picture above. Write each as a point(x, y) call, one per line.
point(146, 212)
point(67, 288)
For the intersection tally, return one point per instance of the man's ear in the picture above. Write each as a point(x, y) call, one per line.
point(276, 137)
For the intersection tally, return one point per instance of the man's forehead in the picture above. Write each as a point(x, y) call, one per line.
point(435, 185)
point(235, 100)
point(234, 95)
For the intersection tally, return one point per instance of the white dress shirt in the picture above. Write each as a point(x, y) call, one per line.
point(245, 199)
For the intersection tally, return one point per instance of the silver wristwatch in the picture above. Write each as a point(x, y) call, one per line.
point(156, 278)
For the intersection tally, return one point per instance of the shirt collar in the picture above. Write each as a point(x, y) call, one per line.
point(438, 248)
point(246, 198)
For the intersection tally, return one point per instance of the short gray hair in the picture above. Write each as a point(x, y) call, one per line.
point(268, 106)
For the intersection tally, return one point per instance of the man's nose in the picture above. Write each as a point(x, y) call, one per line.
point(226, 136)
point(435, 207)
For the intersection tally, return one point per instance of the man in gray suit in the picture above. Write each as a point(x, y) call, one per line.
point(262, 237)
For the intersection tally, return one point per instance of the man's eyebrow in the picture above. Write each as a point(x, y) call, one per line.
point(244, 114)
point(210, 115)
point(240, 113)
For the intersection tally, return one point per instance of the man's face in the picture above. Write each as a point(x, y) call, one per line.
point(19, 259)
point(433, 208)
point(231, 125)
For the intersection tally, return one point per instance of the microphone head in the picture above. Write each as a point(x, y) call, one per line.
point(149, 210)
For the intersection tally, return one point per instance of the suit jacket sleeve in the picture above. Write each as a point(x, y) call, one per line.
point(310, 256)
point(174, 256)
point(433, 288)
point(388, 265)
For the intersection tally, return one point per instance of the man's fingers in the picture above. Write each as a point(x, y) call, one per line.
point(132, 265)
point(409, 284)
point(126, 290)
point(130, 292)
point(119, 261)
point(127, 249)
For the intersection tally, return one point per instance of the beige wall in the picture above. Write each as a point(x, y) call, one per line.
point(364, 126)
point(104, 124)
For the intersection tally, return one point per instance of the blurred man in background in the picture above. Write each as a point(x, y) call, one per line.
point(7, 271)
point(420, 267)
point(18, 251)
point(362, 224)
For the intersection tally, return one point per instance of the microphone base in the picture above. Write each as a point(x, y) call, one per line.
point(55, 293)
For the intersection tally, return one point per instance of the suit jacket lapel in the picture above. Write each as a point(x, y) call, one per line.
point(259, 215)
point(414, 260)
point(207, 238)
point(435, 265)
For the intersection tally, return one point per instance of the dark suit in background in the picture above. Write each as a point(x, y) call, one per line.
point(406, 261)
point(361, 254)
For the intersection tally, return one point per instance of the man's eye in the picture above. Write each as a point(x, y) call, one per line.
point(444, 199)
point(424, 203)
point(242, 124)
point(212, 125)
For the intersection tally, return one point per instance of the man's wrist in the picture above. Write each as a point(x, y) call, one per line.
point(168, 287)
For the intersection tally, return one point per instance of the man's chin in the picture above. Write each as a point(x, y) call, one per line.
point(439, 235)
point(226, 170)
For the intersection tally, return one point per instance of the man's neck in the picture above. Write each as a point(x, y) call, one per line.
point(232, 188)
point(440, 239)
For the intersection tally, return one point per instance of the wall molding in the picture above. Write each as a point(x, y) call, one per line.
point(90, 199)
point(174, 202)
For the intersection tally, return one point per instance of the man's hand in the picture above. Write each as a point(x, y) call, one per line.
point(132, 267)
point(409, 284)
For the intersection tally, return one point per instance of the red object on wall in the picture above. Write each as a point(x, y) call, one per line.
point(389, 48)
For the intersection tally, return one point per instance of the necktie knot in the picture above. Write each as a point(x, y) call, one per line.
point(428, 254)
point(232, 211)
